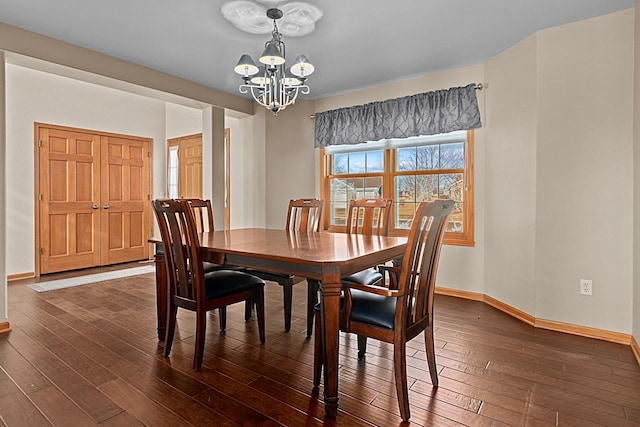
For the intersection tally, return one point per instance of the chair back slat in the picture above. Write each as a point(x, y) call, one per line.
point(369, 216)
point(304, 215)
point(202, 213)
point(183, 259)
point(420, 262)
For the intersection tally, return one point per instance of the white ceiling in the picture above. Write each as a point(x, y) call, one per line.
point(356, 44)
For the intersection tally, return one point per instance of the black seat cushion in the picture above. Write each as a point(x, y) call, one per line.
point(375, 310)
point(372, 309)
point(208, 267)
point(368, 277)
point(226, 282)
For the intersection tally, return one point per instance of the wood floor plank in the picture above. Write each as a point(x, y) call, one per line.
point(15, 408)
point(60, 409)
point(140, 406)
point(22, 372)
point(123, 419)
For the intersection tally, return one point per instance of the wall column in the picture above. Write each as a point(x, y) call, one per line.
point(4, 310)
point(213, 161)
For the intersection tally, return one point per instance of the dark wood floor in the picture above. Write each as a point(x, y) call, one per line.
point(88, 355)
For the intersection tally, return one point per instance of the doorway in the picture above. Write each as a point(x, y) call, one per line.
point(184, 156)
point(92, 198)
point(184, 170)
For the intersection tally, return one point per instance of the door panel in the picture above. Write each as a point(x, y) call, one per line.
point(124, 204)
point(190, 167)
point(69, 186)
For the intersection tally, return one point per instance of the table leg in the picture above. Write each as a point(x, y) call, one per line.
point(330, 329)
point(161, 292)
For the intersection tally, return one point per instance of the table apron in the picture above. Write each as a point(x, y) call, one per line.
point(310, 271)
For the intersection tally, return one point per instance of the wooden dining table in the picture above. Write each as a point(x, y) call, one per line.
point(323, 256)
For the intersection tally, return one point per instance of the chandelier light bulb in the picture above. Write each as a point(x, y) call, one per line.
point(302, 67)
point(246, 67)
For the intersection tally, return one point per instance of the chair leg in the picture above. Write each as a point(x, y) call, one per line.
point(259, 301)
point(201, 327)
point(362, 346)
point(400, 372)
point(318, 352)
point(248, 308)
point(287, 291)
point(312, 300)
point(222, 313)
point(431, 354)
point(172, 312)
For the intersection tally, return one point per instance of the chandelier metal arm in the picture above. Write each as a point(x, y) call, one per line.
point(263, 95)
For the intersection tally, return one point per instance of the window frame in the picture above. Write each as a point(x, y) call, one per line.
point(464, 238)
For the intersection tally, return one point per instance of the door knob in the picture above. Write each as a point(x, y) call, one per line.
point(94, 207)
point(105, 207)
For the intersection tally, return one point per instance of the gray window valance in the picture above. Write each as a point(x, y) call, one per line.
point(428, 113)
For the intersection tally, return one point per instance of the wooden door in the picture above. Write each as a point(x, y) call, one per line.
point(190, 167)
point(124, 204)
point(93, 199)
point(187, 173)
point(69, 176)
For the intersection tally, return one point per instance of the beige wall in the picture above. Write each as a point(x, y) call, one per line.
point(247, 181)
point(636, 181)
point(585, 172)
point(182, 121)
point(289, 159)
point(510, 177)
point(4, 311)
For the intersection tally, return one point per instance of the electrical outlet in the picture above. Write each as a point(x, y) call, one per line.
point(586, 287)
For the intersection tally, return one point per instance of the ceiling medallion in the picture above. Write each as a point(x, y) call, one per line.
point(299, 18)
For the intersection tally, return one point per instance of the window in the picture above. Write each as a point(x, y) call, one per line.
point(172, 166)
point(408, 171)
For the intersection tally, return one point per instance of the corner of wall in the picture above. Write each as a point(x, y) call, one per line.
point(636, 185)
point(4, 308)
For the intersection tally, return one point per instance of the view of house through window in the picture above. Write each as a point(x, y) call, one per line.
point(408, 171)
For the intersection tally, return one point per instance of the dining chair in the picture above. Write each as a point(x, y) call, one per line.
point(402, 311)
point(189, 287)
point(303, 215)
point(369, 217)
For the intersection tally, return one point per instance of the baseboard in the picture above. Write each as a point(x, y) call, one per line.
point(459, 294)
point(4, 327)
point(475, 296)
point(584, 331)
point(551, 325)
point(512, 311)
point(636, 349)
point(20, 276)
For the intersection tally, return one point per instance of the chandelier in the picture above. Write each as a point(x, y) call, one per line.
point(272, 85)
